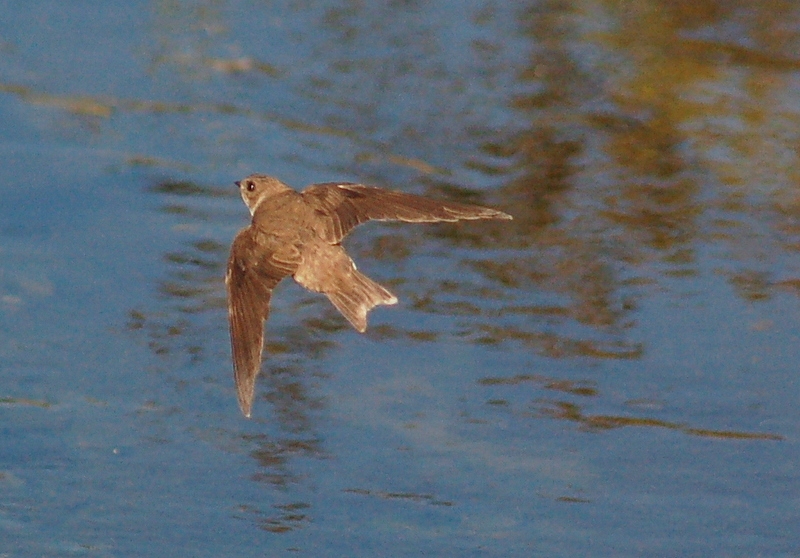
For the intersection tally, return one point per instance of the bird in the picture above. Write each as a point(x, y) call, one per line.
point(300, 234)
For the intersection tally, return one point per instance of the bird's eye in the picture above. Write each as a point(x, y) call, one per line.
point(251, 186)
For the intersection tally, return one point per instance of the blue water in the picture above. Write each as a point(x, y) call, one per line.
point(611, 374)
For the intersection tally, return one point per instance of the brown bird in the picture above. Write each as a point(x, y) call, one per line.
point(300, 234)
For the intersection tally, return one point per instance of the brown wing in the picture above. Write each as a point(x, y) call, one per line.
point(348, 205)
point(253, 271)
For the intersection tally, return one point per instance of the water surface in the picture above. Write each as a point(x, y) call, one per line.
point(612, 373)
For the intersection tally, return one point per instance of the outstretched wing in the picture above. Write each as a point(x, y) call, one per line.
point(345, 206)
point(253, 271)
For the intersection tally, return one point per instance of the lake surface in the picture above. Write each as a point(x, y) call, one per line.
point(613, 373)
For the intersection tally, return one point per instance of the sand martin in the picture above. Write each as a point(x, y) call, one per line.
point(300, 234)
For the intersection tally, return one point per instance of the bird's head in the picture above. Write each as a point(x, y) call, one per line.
point(257, 187)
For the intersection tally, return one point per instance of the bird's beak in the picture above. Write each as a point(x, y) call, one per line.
point(238, 183)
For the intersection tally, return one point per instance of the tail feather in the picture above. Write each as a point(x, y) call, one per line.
point(355, 298)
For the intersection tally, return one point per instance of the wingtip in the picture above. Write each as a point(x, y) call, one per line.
point(245, 401)
point(492, 213)
point(245, 409)
point(484, 213)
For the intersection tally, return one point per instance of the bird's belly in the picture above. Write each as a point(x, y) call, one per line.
point(322, 265)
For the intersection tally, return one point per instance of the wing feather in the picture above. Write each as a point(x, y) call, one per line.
point(345, 206)
point(253, 272)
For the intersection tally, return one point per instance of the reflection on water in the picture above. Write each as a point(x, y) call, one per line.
point(614, 177)
point(417, 498)
point(570, 411)
point(567, 410)
point(641, 148)
point(287, 517)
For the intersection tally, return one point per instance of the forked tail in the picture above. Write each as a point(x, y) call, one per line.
point(356, 296)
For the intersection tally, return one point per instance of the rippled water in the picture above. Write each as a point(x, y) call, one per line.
point(612, 373)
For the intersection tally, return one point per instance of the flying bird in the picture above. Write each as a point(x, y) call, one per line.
point(300, 234)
